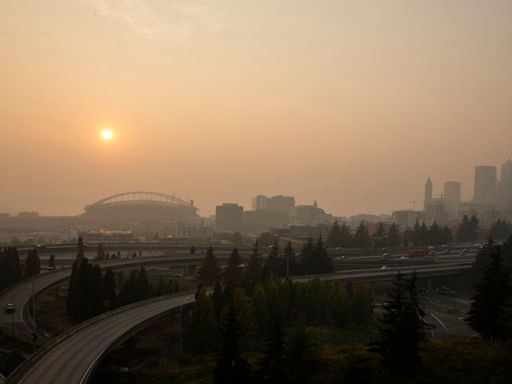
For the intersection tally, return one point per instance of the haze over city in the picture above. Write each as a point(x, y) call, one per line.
point(353, 103)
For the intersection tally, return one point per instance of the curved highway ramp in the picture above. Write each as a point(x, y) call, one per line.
point(72, 357)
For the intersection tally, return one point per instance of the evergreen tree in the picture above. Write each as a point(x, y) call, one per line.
point(254, 268)
point(272, 366)
point(322, 260)
point(218, 300)
point(468, 229)
point(492, 294)
point(209, 273)
point(308, 256)
point(32, 263)
point(500, 230)
point(233, 273)
point(402, 329)
point(339, 307)
point(271, 265)
point(299, 358)
point(361, 304)
point(290, 265)
point(95, 299)
point(231, 367)
point(51, 262)
point(100, 252)
point(394, 236)
point(110, 289)
point(362, 237)
point(143, 288)
point(335, 238)
point(203, 323)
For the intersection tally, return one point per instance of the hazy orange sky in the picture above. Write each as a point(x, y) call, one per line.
point(353, 103)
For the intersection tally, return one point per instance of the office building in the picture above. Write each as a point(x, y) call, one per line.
point(485, 184)
point(229, 217)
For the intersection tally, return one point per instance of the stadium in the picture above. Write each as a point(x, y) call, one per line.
point(140, 207)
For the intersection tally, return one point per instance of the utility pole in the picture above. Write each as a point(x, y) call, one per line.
point(12, 319)
point(181, 326)
point(33, 302)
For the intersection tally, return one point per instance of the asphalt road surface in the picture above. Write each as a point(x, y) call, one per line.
point(73, 359)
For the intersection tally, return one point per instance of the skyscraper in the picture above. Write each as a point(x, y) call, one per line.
point(452, 192)
point(452, 198)
point(428, 192)
point(504, 194)
point(485, 184)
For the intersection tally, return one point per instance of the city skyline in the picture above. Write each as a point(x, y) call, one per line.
point(351, 103)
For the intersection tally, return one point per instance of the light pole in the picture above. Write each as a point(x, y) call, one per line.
point(33, 301)
point(181, 326)
point(12, 319)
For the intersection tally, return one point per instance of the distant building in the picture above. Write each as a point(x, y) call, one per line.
point(355, 220)
point(312, 215)
point(28, 215)
point(485, 184)
point(259, 202)
point(303, 231)
point(452, 195)
point(428, 192)
point(194, 231)
point(407, 218)
point(281, 204)
point(504, 193)
point(104, 236)
point(262, 220)
point(229, 217)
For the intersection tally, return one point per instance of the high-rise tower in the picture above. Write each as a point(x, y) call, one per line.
point(428, 192)
point(485, 184)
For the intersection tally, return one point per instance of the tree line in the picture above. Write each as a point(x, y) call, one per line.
point(11, 270)
point(92, 292)
point(491, 309)
point(419, 235)
point(250, 303)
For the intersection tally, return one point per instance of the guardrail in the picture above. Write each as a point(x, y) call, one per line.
point(25, 367)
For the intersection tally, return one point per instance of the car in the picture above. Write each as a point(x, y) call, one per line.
point(10, 308)
point(384, 267)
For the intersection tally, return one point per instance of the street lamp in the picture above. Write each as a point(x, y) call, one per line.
point(181, 325)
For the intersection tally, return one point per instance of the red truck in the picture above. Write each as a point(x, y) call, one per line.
point(417, 252)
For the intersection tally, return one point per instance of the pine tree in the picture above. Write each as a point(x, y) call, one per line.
point(271, 266)
point(299, 358)
point(323, 262)
point(32, 263)
point(308, 256)
point(335, 238)
point(233, 273)
point(254, 268)
point(492, 294)
point(96, 293)
point(144, 289)
point(362, 237)
point(203, 323)
point(110, 289)
point(209, 273)
point(272, 366)
point(394, 236)
point(402, 329)
point(218, 300)
point(231, 367)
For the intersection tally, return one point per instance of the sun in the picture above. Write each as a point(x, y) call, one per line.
point(107, 134)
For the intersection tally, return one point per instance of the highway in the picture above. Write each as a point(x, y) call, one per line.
point(73, 356)
point(21, 293)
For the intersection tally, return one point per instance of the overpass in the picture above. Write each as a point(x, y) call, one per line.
point(21, 324)
point(73, 356)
